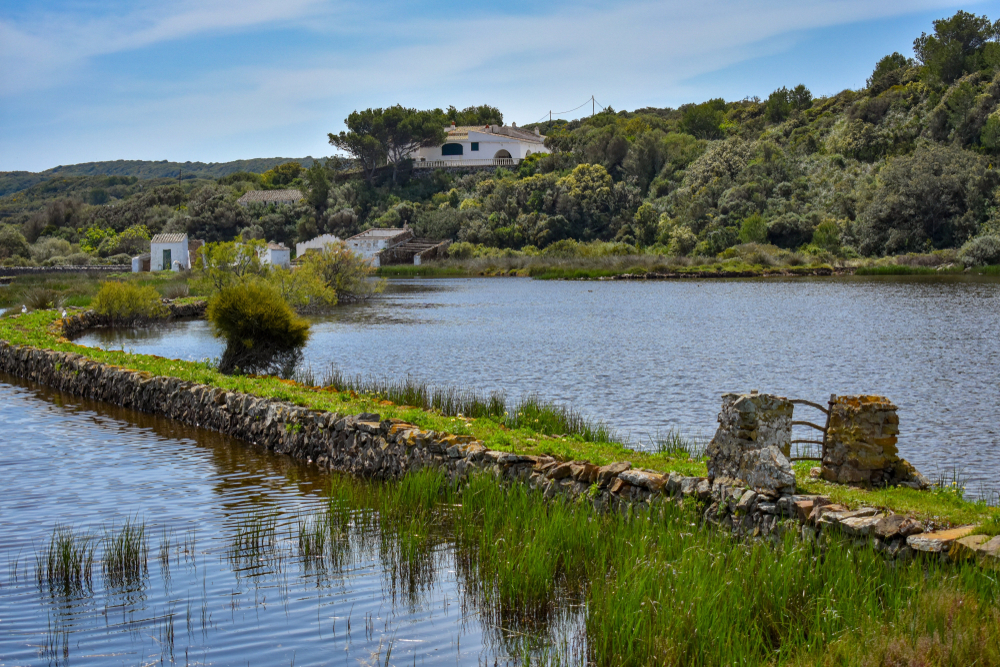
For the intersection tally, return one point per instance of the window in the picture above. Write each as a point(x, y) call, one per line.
point(475, 145)
point(451, 149)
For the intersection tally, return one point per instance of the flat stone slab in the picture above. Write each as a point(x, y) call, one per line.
point(939, 540)
point(860, 525)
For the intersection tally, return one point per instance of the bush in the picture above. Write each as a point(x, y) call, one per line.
point(981, 251)
point(175, 290)
point(128, 303)
point(262, 332)
point(13, 243)
point(347, 274)
point(42, 298)
point(753, 229)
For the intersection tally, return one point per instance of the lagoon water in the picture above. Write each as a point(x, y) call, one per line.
point(200, 600)
point(650, 356)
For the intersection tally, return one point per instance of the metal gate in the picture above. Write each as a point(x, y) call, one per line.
point(822, 429)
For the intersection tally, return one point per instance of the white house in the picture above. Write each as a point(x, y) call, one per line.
point(277, 255)
point(371, 242)
point(480, 145)
point(140, 263)
point(169, 252)
point(317, 243)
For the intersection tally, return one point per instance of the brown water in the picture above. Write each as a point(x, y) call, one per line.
point(71, 462)
point(650, 356)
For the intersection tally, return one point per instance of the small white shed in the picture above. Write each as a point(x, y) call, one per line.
point(169, 252)
point(278, 255)
point(140, 263)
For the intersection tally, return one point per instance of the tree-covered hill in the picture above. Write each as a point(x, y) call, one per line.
point(906, 164)
point(15, 181)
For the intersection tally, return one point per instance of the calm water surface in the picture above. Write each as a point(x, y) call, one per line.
point(88, 465)
point(646, 357)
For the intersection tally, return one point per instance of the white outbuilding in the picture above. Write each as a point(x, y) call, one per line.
point(481, 146)
point(368, 244)
point(317, 243)
point(169, 252)
point(277, 255)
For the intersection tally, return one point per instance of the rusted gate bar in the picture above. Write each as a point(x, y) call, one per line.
point(825, 429)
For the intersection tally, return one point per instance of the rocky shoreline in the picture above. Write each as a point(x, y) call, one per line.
point(368, 446)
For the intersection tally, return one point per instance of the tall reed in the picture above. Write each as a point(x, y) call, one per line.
point(66, 563)
point(662, 587)
point(125, 561)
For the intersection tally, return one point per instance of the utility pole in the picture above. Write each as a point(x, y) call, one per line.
point(592, 103)
point(550, 116)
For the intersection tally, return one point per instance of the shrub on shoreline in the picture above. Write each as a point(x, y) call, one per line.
point(263, 335)
point(128, 303)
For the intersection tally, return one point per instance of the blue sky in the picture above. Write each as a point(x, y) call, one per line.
point(212, 80)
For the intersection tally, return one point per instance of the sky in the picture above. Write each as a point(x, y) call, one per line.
point(216, 80)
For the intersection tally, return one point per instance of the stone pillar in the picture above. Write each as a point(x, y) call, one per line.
point(861, 441)
point(753, 442)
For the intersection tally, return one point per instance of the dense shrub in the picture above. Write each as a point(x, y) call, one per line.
point(128, 303)
point(347, 274)
point(262, 332)
point(13, 243)
point(982, 250)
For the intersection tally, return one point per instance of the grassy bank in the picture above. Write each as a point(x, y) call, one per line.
point(69, 290)
point(660, 587)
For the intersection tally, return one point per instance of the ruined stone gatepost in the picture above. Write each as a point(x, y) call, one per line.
point(753, 441)
point(861, 444)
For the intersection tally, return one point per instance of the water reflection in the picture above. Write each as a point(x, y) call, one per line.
point(224, 571)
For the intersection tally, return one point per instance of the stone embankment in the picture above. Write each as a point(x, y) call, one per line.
point(368, 446)
point(11, 271)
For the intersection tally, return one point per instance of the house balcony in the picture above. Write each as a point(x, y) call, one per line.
point(480, 162)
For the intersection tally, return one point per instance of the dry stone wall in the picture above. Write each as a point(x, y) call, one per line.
point(861, 444)
point(368, 446)
point(751, 445)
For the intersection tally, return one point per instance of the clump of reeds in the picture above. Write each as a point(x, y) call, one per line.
point(675, 445)
point(42, 298)
point(529, 412)
point(175, 290)
point(255, 537)
point(125, 561)
point(66, 563)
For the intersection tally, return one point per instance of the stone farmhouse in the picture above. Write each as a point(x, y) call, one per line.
point(480, 146)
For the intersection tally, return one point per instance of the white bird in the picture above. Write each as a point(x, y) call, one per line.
point(64, 312)
point(24, 309)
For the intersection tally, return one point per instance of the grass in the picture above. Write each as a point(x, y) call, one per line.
point(66, 563)
point(918, 270)
point(79, 289)
point(661, 587)
point(125, 561)
point(529, 412)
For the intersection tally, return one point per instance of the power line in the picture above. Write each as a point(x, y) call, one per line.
point(550, 114)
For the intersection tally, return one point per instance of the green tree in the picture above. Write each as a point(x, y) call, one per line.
point(753, 229)
point(704, 121)
point(364, 140)
point(956, 46)
point(281, 176)
point(318, 178)
point(827, 236)
point(645, 224)
point(888, 73)
point(406, 130)
point(475, 115)
point(13, 243)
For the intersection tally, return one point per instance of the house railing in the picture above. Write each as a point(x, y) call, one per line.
point(478, 162)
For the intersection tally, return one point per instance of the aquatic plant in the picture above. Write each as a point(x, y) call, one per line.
point(125, 560)
point(66, 563)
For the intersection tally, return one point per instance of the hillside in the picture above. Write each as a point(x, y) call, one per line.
point(15, 181)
